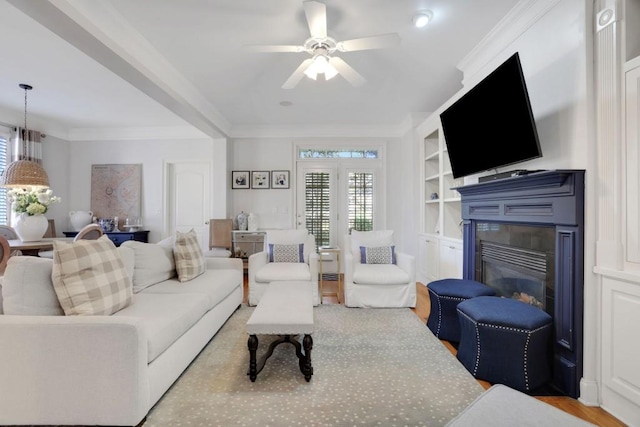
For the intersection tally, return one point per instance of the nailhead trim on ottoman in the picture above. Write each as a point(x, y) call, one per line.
point(505, 341)
point(445, 295)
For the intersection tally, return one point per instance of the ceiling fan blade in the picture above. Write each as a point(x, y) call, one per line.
point(365, 43)
point(274, 48)
point(297, 75)
point(346, 71)
point(316, 14)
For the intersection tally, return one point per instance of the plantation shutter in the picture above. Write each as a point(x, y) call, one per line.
point(4, 209)
point(360, 195)
point(317, 207)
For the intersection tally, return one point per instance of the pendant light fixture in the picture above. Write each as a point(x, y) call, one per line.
point(24, 173)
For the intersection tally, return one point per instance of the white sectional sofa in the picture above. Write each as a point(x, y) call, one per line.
point(106, 370)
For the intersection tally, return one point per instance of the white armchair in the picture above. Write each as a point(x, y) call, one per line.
point(385, 279)
point(277, 263)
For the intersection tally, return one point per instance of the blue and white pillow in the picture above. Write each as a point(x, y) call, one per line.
point(377, 255)
point(286, 253)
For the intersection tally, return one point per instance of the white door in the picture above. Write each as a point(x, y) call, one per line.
point(189, 198)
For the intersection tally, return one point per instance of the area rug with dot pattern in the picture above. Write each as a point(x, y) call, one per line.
point(371, 367)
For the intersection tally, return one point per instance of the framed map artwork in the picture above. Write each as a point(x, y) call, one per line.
point(116, 191)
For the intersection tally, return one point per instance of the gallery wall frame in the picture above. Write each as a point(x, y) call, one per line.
point(260, 180)
point(240, 180)
point(280, 179)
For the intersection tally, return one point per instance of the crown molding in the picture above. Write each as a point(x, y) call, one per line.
point(513, 25)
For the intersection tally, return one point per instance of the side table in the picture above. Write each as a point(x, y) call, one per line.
point(119, 237)
point(327, 251)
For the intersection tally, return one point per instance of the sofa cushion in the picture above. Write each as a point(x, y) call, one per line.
point(153, 263)
point(188, 256)
point(213, 285)
point(128, 256)
point(273, 271)
point(89, 277)
point(379, 274)
point(166, 317)
point(369, 238)
point(27, 288)
point(377, 254)
point(286, 253)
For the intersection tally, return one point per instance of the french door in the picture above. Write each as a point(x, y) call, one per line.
point(334, 197)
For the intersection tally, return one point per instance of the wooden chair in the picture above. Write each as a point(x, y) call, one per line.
point(5, 253)
point(220, 238)
point(51, 231)
point(9, 233)
point(89, 232)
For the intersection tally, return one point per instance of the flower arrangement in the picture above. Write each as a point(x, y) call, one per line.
point(31, 202)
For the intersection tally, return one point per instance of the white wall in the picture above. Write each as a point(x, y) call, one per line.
point(152, 154)
point(55, 160)
point(274, 207)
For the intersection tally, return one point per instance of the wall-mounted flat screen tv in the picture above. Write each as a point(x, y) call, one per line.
point(491, 125)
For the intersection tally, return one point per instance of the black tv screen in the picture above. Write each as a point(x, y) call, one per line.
point(492, 124)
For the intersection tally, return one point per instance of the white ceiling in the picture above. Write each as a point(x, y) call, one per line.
point(113, 64)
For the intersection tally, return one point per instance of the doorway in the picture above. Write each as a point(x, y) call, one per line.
point(188, 203)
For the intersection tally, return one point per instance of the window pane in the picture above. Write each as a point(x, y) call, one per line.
point(306, 153)
point(360, 194)
point(318, 209)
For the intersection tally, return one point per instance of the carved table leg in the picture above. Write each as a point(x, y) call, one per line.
point(307, 344)
point(253, 347)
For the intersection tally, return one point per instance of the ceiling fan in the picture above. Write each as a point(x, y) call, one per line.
point(322, 47)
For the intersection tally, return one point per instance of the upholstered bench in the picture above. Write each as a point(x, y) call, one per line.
point(505, 341)
point(285, 309)
point(445, 295)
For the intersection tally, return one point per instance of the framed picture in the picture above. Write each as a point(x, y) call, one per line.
point(260, 179)
point(279, 179)
point(239, 180)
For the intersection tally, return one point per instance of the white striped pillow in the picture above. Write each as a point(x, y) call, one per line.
point(188, 256)
point(90, 278)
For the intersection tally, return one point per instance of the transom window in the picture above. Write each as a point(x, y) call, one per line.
point(314, 153)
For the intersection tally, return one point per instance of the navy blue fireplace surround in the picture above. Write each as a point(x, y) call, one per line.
point(525, 234)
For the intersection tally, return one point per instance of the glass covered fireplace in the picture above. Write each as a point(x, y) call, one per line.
point(517, 261)
point(523, 236)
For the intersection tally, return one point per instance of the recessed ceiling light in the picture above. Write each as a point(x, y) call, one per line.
point(286, 103)
point(422, 18)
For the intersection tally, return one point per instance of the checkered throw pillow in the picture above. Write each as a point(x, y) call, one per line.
point(90, 278)
point(377, 255)
point(286, 253)
point(188, 256)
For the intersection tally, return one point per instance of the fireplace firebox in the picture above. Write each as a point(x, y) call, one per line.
point(517, 261)
point(523, 236)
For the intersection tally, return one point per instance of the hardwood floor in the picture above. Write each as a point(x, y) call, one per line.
point(595, 415)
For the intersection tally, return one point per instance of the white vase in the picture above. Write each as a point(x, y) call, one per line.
point(252, 222)
point(79, 219)
point(31, 228)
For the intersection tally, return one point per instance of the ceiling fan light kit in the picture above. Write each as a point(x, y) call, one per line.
point(322, 47)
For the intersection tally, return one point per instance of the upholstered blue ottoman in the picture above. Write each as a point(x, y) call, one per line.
point(505, 341)
point(445, 295)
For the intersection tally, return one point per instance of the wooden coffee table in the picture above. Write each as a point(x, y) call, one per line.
point(286, 310)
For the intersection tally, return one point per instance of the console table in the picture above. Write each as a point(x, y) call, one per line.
point(120, 237)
